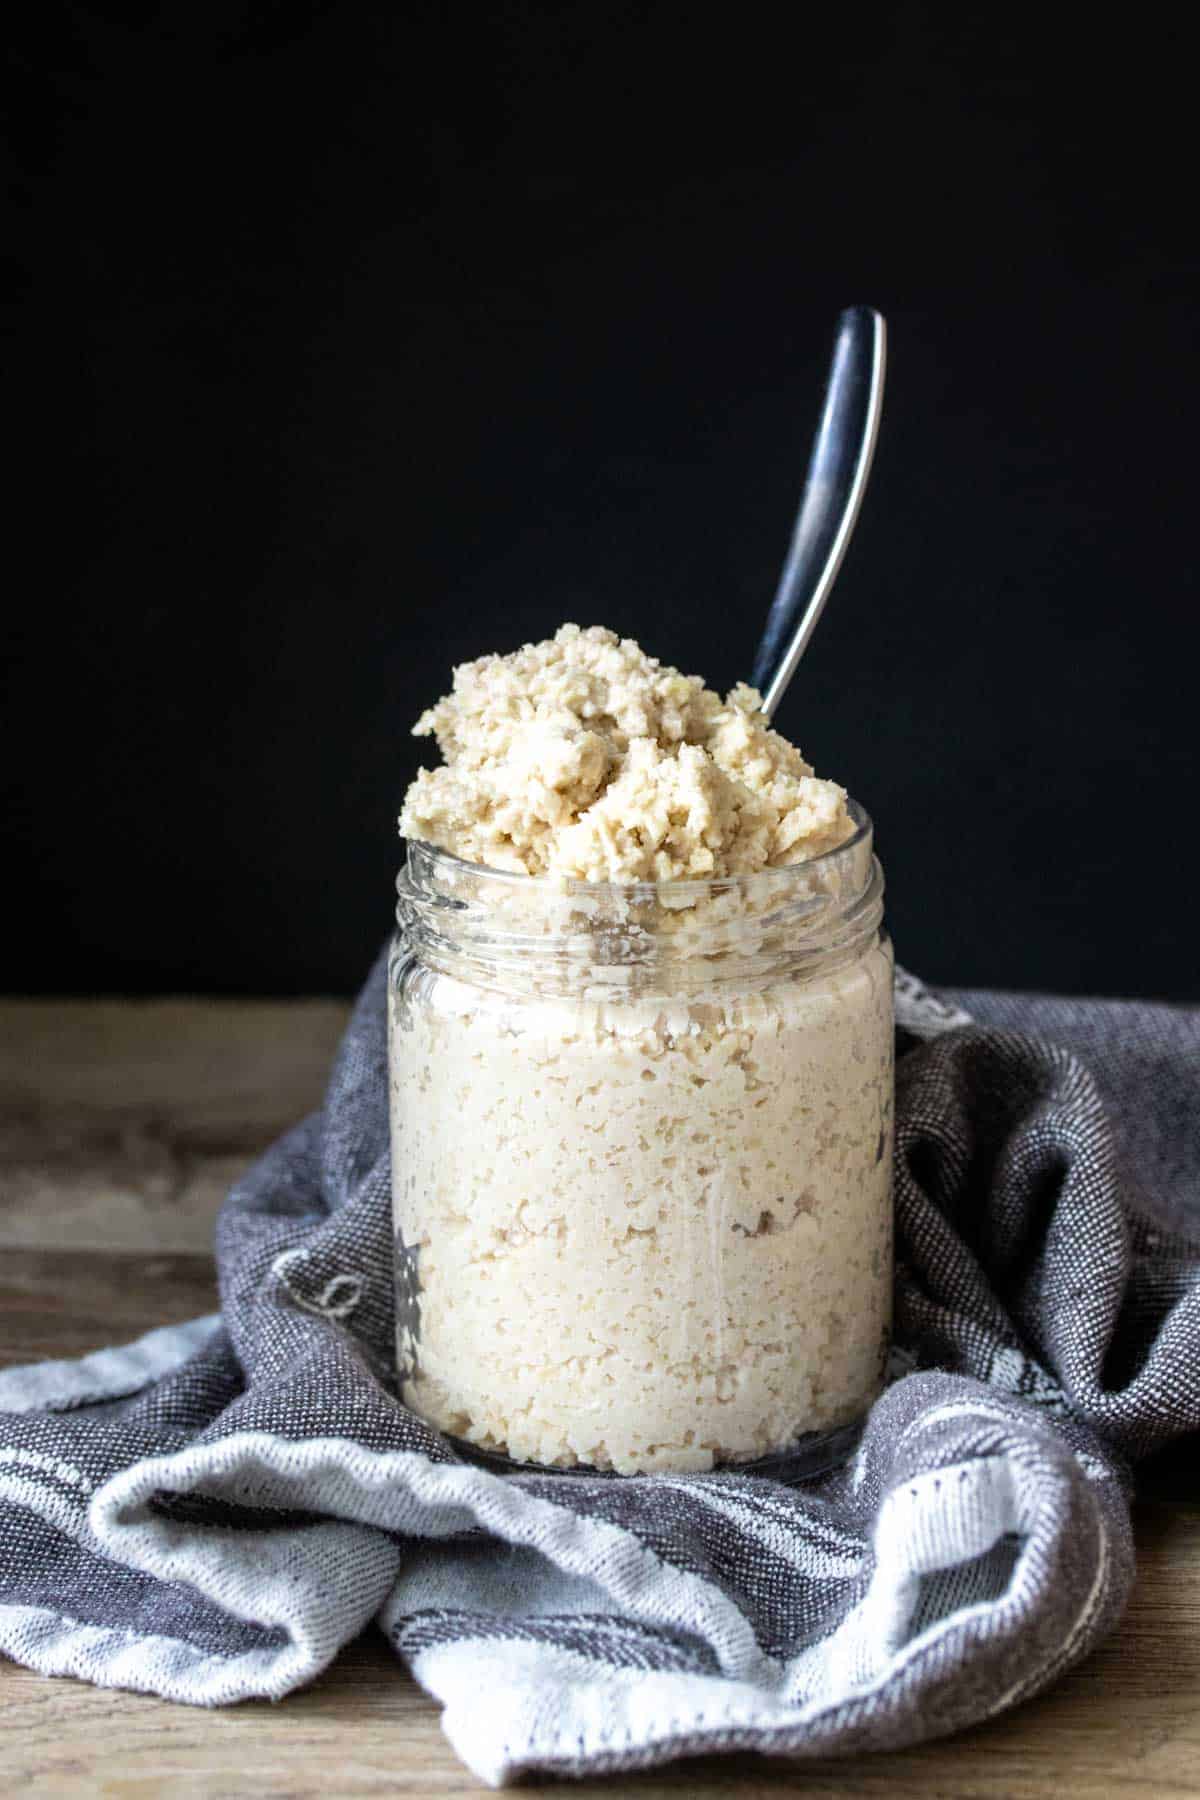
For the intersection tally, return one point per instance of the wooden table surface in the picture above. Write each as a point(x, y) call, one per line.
point(120, 1126)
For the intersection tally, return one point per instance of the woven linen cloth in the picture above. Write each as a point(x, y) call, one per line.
point(210, 1513)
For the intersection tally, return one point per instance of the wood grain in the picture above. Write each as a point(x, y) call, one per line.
point(118, 1127)
point(123, 1123)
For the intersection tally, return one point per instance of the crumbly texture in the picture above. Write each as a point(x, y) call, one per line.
point(649, 1234)
point(585, 759)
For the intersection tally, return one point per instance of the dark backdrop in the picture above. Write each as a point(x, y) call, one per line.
point(350, 343)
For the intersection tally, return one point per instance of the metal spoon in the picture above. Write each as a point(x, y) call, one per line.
point(833, 492)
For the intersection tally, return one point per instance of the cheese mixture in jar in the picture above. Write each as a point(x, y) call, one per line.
point(640, 1032)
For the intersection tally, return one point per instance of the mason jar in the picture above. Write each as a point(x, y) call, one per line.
point(641, 1154)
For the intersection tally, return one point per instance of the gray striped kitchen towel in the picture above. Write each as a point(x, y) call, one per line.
point(210, 1513)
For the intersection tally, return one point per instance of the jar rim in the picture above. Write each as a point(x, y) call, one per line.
point(646, 890)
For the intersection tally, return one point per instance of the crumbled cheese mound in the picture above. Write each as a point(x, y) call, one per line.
point(583, 758)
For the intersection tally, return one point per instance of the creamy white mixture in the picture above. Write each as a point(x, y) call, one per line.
point(648, 1237)
point(644, 1232)
point(584, 758)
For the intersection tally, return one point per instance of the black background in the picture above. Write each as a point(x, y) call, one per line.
point(350, 343)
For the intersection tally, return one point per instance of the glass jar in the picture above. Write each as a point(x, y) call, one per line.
point(641, 1152)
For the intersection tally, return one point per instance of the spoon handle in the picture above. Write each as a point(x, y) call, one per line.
point(837, 477)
